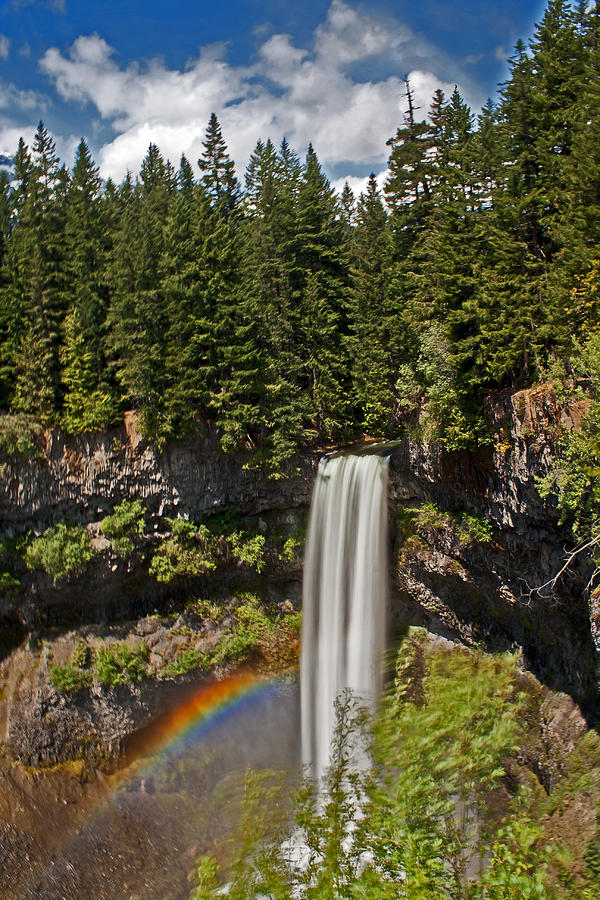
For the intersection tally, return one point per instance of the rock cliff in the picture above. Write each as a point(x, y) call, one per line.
point(471, 539)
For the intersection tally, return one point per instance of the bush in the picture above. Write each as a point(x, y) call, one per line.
point(190, 551)
point(249, 550)
point(275, 639)
point(475, 530)
point(69, 677)
point(428, 515)
point(18, 436)
point(60, 551)
point(82, 654)
point(186, 661)
point(126, 522)
point(121, 664)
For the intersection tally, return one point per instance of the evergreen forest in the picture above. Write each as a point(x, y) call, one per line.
point(283, 313)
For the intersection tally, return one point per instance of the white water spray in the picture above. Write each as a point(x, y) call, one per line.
point(344, 595)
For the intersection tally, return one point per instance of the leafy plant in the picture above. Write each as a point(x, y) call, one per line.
point(249, 550)
point(121, 664)
point(18, 436)
point(187, 661)
point(428, 516)
point(60, 551)
point(190, 551)
point(69, 677)
point(474, 529)
point(125, 524)
point(415, 824)
point(289, 550)
point(574, 477)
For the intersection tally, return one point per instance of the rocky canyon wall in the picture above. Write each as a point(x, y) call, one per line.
point(471, 539)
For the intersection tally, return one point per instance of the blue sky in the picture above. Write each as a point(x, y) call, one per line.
point(123, 74)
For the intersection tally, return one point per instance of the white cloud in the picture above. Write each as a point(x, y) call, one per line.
point(10, 135)
point(304, 94)
point(4, 46)
point(359, 185)
point(11, 96)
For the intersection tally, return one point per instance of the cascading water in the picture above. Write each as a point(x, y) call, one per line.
point(344, 595)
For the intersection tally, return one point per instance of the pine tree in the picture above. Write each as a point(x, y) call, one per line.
point(322, 257)
point(36, 278)
point(373, 369)
point(137, 317)
point(272, 286)
point(86, 289)
point(219, 179)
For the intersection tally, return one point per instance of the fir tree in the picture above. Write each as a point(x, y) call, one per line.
point(36, 278)
point(373, 369)
point(137, 316)
point(219, 179)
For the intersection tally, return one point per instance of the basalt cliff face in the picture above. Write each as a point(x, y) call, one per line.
point(463, 582)
point(490, 591)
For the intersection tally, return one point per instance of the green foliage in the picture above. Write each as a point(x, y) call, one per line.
point(60, 551)
point(250, 626)
point(125, 524)
point(18, 435)
point(193, 550)
point(416, 825)
point(289, 551)
point(248, 550)
point(69, 677)
point(574, 477)
point(117, 664)
point(428, 515)
point(186, 661)
point(255, 632)
point(517, 869)
point(81, 655)
point(189, 552)
point(474, 529)
point(284, 315)
point(9, 584)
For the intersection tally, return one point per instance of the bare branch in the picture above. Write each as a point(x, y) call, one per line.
point(548, 588)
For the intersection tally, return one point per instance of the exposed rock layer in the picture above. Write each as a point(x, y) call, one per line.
point(479, 593)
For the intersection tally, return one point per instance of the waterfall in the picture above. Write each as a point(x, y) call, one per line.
point(344, 595)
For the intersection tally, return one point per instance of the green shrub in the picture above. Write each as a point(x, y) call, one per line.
point(186, 661)
point(69, 677)
point(274, 638)
point(9, 584)
point(193, 550)
point(190, 551)
point(60, 551)
point(475, 530)
point(121, 664)
point(289, 550)
point(126, 522)
point(82, 654)
point(428, 515)
point(18, 436)
point(248, 549)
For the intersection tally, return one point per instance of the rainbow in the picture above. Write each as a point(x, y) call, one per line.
point(206, 708)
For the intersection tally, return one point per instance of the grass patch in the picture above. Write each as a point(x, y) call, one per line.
point(187, 661)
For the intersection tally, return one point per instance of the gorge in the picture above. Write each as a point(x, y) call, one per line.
point(469, 536)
